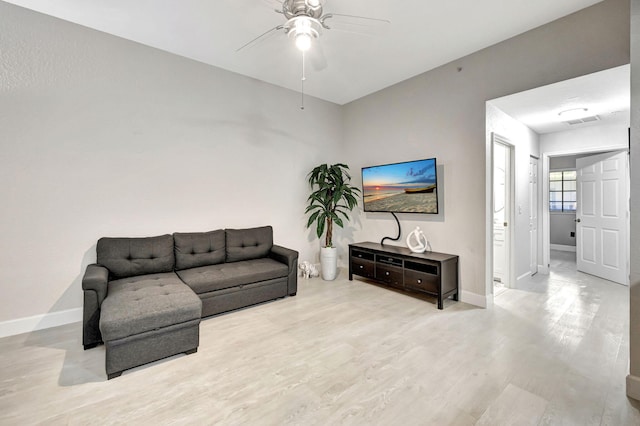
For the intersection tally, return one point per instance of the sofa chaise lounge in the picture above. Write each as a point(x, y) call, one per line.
point(144, 297)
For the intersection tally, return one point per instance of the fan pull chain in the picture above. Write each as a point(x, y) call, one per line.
point(302, 83)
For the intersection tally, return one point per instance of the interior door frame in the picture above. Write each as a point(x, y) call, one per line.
point(546, 217)
point(534, 191)
point(510, 234)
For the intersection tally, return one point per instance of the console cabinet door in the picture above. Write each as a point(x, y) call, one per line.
point(364, 268)
point(362, 263)
point(388, 274)
point(421, 281)
point(423, 276)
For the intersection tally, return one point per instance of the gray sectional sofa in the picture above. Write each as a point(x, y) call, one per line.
point(144, 297)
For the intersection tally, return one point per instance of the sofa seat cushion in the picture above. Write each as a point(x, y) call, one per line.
point(225, 275)
point(147, 302)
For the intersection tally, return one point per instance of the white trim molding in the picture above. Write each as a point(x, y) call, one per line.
point(476, 299)
point(487, 300)
point(563, 247)
point(40, 322)
point(525, 276)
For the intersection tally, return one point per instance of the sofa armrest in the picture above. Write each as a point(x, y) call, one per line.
point(284, 255)
point(290, 258)
point(94, 284)
point(96, 278)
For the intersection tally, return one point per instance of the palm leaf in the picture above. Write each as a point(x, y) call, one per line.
point(312, 218)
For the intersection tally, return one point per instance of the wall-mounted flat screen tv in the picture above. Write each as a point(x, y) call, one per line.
point(409, 187)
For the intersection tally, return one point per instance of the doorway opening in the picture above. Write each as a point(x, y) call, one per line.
point(537, 123)
point(586, 219)
point(502, 212)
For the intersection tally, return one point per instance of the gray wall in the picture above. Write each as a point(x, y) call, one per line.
point(563, 163)
point(441, 113)
point(561, 225)
point(105, 137)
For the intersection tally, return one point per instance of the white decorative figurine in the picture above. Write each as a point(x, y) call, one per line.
point(421, 242)
point(308, 270)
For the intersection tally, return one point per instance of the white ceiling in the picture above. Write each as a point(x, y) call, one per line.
point(423, 34)
point(606, 94)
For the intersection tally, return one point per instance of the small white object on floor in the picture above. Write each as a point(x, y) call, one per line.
point(308, 270)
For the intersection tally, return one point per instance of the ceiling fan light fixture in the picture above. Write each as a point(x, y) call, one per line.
point(303, 30)
point(303, 41)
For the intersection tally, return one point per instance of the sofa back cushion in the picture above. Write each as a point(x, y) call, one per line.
point(246, 244)
point(199, 248)
point(128, 257)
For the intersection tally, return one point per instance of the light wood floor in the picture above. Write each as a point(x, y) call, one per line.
point(555, 353)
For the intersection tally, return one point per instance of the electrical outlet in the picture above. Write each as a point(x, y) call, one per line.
point(573, 234)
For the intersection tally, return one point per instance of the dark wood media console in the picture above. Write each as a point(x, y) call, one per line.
point(433, 273)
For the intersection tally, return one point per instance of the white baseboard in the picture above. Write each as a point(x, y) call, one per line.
point(543, 269)
point(39, 322)
point(476, 299)
point(562, 247)
point(524, 277)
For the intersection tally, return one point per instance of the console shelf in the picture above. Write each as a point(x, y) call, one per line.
point(432, 273)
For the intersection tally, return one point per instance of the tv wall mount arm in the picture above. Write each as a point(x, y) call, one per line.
point(399, 231)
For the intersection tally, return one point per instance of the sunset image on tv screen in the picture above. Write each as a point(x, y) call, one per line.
point(409, 187)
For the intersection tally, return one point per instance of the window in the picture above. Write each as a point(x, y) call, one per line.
point(562, 191)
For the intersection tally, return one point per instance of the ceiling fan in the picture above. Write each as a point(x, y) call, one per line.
point(306, 19)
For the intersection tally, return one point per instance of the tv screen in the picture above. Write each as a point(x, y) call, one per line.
point(409, 187)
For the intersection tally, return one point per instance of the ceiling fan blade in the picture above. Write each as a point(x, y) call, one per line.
point(317, 58)
point(353, 23)
point(260, 38)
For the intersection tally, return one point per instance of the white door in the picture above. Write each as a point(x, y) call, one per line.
point(533, 215)
point(501, 213)
point(601, 216)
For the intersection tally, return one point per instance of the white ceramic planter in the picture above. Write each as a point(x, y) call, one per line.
point(329, 263)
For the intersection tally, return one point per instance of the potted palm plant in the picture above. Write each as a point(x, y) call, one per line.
point(332, 199)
